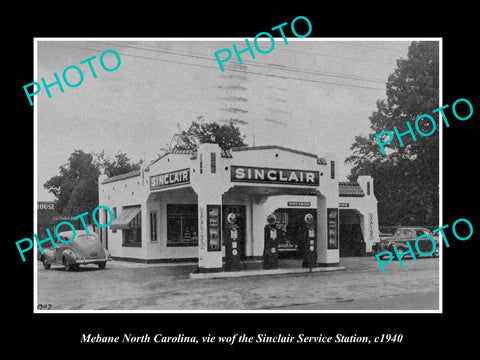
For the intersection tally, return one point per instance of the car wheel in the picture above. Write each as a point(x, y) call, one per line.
point(68, 267)
point(102, 265)
point(45, 263)
point(400, 251)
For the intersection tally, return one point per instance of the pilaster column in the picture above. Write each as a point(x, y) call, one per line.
point(210, 179)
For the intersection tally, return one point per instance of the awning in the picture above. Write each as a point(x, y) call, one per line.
point(127, 215)
point(350, 189)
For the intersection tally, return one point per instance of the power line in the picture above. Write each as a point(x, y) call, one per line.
point(277, 67)
point(363, 45)
point(308, 53)
point(338, 57)
point(234, 70)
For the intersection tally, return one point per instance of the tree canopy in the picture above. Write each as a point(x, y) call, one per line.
point(76, 186)
point(119, 165)
point(226, 135)
point(406, 179)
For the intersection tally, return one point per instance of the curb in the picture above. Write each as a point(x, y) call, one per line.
point(262, 272)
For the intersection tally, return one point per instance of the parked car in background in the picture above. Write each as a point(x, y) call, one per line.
point(84, 249)
point(407, 234)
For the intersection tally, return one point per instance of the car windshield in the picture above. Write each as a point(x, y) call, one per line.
point(87, 238)
point(403, 232)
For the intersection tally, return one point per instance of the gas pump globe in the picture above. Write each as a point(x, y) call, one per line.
point(232, 218)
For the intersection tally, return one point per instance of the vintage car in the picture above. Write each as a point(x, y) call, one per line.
point(84, 249)
point(400, 238)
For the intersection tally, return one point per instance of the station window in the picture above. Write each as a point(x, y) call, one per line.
point(182, 225)
point(213, 163)
point(332, 169)
point(153, 226)
point(368, 187)
point(282, 220)
point(114, 217)
point(133, 235)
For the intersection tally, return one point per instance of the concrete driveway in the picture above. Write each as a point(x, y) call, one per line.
point(132, 286)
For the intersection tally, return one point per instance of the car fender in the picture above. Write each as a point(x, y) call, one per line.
point(398, 245)
point(70, 256)
point(107, 254)
point(49, 255)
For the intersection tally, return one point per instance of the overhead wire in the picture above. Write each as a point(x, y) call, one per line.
point(363, 45)
point(233, 70)
point(270, 66)
point(315, 54)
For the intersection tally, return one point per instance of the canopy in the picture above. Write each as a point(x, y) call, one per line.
point(127, 215)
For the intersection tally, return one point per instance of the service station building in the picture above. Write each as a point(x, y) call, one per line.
point(213, 206)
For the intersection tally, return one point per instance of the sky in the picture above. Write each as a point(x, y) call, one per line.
point(312, 94)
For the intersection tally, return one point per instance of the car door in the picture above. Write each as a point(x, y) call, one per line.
point(412, 238)
point(424, 244)
point(59, 250)
point(405, 235)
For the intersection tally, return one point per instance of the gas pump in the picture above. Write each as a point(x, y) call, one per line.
point(232, 238)
point(310, 243)
point(270, 248)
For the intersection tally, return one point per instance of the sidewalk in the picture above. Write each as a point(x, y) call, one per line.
point(263, 272)
point(249, 268)
point(133, 264)
point(247, 264)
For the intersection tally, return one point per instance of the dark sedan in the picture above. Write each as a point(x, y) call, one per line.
point(83, 249)
point(408, 234)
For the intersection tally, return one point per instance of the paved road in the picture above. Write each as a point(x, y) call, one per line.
point(129, 286)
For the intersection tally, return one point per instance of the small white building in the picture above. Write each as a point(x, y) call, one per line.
point(175, 208)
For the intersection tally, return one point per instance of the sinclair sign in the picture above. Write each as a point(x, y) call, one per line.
point(173, 178)
point(274, 176)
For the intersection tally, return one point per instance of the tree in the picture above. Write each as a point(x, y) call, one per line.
point(120, 165)
point(227, 136)
point(76, 187)
point(407, 177)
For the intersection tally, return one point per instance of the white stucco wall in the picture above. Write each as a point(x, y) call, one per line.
point(218, 189)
